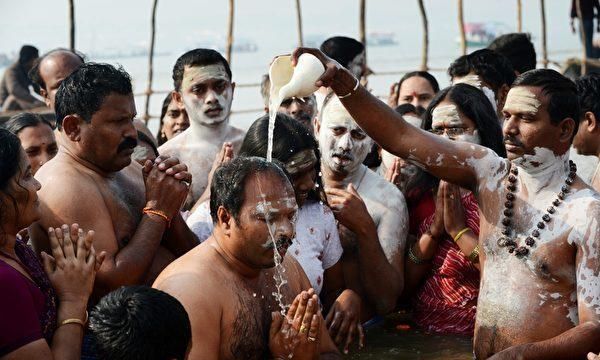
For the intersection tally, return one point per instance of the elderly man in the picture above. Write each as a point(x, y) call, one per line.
point(49, 71)
point(203, 85)
point(235, 285)
point(373, 259)
point(539, 233)
point(303, 110)
point(92, 181)
point(14, 88)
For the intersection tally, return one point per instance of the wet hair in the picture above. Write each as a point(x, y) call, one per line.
point(163, 111)
point(342, 49)
point(289, 138)
point(34, 73)
point(493, 68)
point(560, 91)
point(425, 75)
point(139, 322)
point(227, 186)
point(27, 53)
point(10, 151)
point(473, 103)
point(197, 57)
point(24, 120)
point(588, 92)
point(406, 109)
point(83, 91)
point(518, 49)
point(265, 89)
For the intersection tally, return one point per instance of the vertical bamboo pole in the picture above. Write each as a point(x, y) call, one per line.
point(150, 61)
point(583, 39)
point(544, 45)
point(362, 25)
point(230, 32)
point(461, 25)
point(71, 25)
point(425, 49)
point(519, 16)
point(299, 20)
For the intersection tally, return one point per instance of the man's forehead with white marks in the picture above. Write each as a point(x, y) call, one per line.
point(521, 100)
point(265, 207)
point(335, 114)
point(197, 74)
point(446, 116)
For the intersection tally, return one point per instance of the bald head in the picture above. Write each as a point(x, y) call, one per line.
point(52, 69)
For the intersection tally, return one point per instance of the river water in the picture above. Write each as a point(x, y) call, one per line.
point(388, 342)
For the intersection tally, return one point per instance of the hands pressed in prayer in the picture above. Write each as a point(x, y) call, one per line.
point(343, 320)
point(167, 184)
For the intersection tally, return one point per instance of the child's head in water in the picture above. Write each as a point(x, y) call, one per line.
point(139, 322)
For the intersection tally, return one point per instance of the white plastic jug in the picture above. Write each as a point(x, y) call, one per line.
point(288, 81)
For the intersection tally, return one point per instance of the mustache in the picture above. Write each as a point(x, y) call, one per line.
point(215, 107)
point(282, 241)
point(512, 140)
point(344, 155)
point(128, 143)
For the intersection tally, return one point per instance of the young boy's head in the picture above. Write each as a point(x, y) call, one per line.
point(139, 322)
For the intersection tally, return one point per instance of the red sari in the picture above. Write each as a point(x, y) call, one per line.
point(446, 302)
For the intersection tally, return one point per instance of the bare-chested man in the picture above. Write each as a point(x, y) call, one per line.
point(539, 238)
point(587, 140)
point(203, 85)
point(373, 260)
point(227, 284)
point(93, 182)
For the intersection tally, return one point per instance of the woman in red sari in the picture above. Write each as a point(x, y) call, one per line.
point(42, 308)
point(442, 265)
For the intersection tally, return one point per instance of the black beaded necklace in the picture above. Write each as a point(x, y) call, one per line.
point(509, 237)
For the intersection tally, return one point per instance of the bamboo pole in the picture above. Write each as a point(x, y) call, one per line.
point(461, 24)
point(425, 49)
point(583, 39)
point(150, 61)
point(362, 25)
point(71, 25)
point(299, 20)
point(544, 44)
point(519, 16)
point(230, 32)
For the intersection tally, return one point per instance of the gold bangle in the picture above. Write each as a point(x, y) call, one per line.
point(460, 233)
point(76, 321)
point(352, 91)
point(474, 255)
point(162, 214)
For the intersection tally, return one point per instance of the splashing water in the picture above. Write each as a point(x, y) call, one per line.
point(278, 277)
point(274, 102)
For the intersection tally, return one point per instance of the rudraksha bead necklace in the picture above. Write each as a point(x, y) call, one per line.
point(509, 237)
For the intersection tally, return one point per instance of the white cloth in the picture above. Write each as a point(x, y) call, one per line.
point(317, 244)
point(586, 165)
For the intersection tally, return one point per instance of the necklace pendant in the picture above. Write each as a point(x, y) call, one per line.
point(521, 251)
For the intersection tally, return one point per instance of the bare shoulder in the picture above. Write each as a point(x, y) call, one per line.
point(61, 180)
point(172, 147)
point(378, 190)
point(583, 216)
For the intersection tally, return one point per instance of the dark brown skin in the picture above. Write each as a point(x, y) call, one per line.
point(557, 264)
point(226, 285)
point(104, 191)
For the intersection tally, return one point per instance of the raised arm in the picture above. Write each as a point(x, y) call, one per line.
point(453, 161)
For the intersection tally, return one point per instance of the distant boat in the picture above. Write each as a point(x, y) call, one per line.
point(381, 39)
point(482, 34)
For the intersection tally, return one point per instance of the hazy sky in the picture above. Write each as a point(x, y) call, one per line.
point(119, 24)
